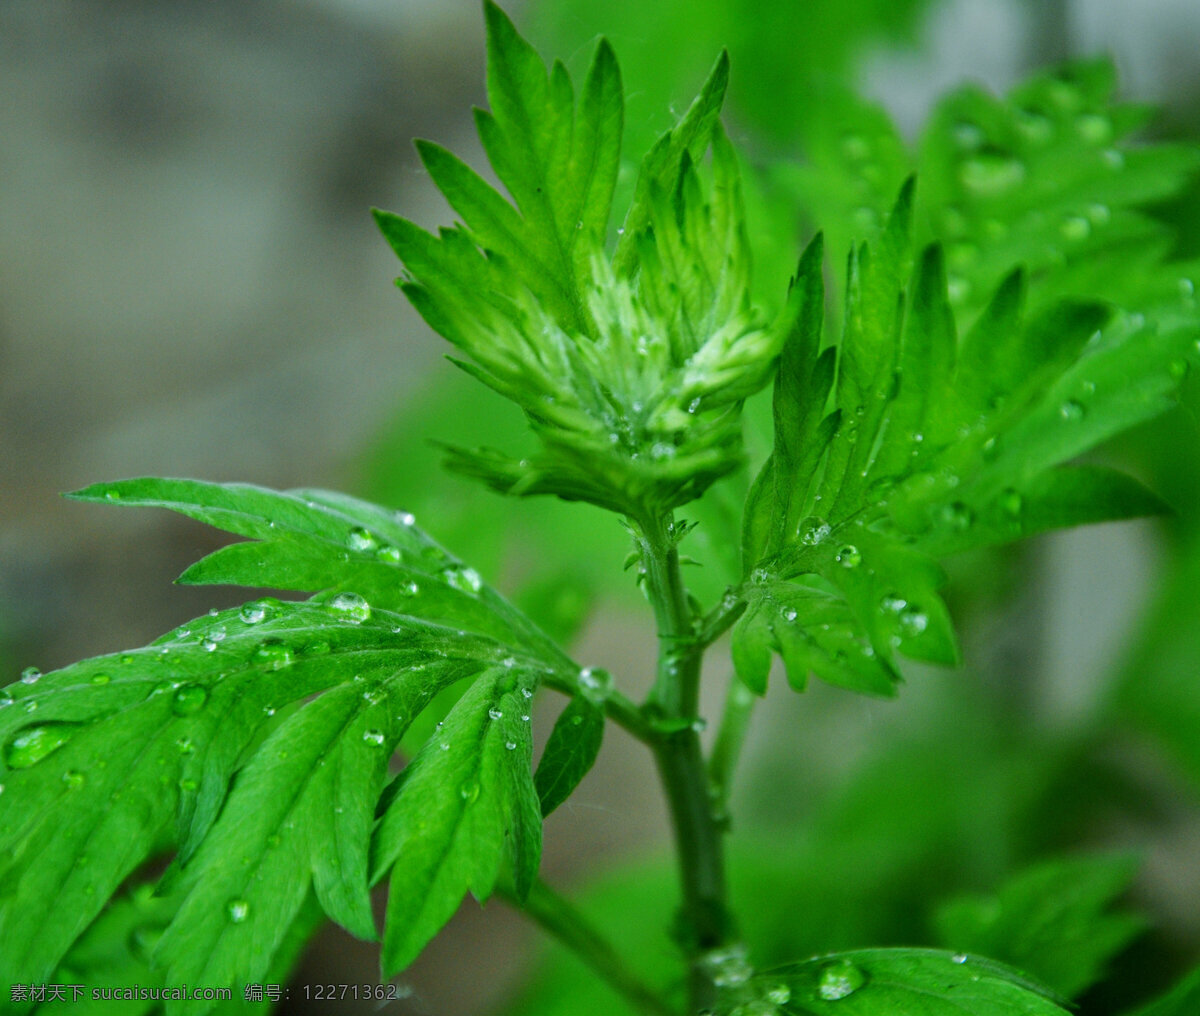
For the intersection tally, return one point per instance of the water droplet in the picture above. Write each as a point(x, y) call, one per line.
point(510, 745)
point(1011, 502)
point(694, 406)
point(1072, 410)
point(406, 518)
point(893, 603)
point(373, 737)
point(465, 580)
point(495, 714)
point(238, 911)
point(729, 966)
point(848, 556)
point(781, 994)
point(360, 539)
point(958, 958)
point(968, 135)
point(30, 675)
point(188, 786)
point(957, 515)
point(445, 746)
point(208, 645)
point(991, 172)
point(256, 611)
point(788, 613)
point(813, 530)
point(1036, 127)
point(73, 778)
point(188, 699)
point(699, 725)
point(839, 979)
point(1075, 228)
point(760, 576)
point(33, 744)
point(1094, 128)
point(31, 705)
point(272, 654)
point(913, 621)
point(185, 746)
point(99, 679)
point(1187, 290)
point(469, 791)
point(6, 698)
point(855, 147)
point(527, 693)
point(389, 554)
point(351, 607)
point(595, 684)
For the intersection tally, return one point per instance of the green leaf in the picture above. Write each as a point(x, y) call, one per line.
point(931, 446)
point(1052, 920)
point(570, 752)
point(108, 761)
point(312, 540)
point(464, 804)
point(901, 982)
point(630, 371)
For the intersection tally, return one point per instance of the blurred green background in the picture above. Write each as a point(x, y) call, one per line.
point(190, 284)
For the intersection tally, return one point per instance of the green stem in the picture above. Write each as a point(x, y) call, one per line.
point(617, 707)
point(704, 922)
point(735, 721)
point(559, 918)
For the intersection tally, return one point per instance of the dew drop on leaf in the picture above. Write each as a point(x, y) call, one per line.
point(1011, 502)
point(781, 994)
point(1094, 128)
point(848, 556)
point(1072, 410)
point(958, 958)
point(30, 675)
point(788, 614)
point(6, 698)
point(957, 515)
point(360, 539)
point(73, 778)
point(913, 621)
point(351, 607)
point(596, 684)
point(255, 612)
point(272, 654)
point(33, 744)
point(389, 554)
point(728, 966)
point(813, 530)
point(465, 580)
point(1075, 228)
point(510, 745)
point(374, 738)
point(991, 172)
point(238, 911)
point(188, 699)
point(839, 980)
point(469, 791)
point(495, 714)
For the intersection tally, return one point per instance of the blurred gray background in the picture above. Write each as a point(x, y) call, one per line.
point(191, 284)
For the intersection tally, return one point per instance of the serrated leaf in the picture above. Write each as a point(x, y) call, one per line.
point(570, 752)
point(1053, 920)
point(934, 446)
point(463, 804)
point(902, 982)
point(110, 760)
point(313, 540)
